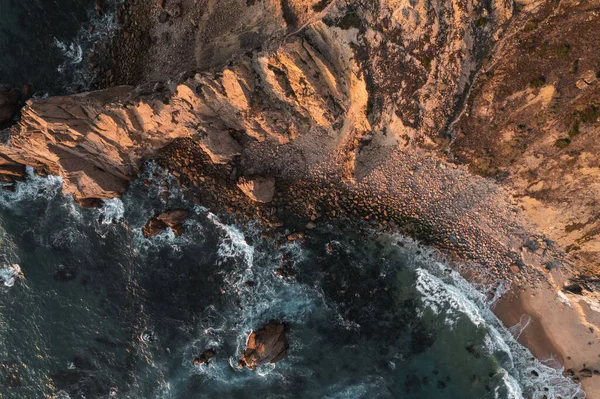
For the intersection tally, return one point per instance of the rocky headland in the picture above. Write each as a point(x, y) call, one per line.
point(470, 126)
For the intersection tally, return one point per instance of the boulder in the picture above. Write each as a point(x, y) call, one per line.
point(266, 345)
point(153, 227)
point(173, 219)
point(259, 189)
point(205, 357)
point(574, 289)
point(585, 372)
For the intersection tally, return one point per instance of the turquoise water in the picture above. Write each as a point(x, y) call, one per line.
point(368, 317)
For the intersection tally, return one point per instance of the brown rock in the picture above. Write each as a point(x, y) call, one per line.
point(295, 236)
point(205, 357)
point(173, 217)
point(153, 227)
point(585, 372)
point(259, 189)
point(266, 345)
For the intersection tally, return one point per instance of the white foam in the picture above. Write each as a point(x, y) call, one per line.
point(112, 211)
point(234, 244)
point(71, 52)
point(456, 296)
point(10, 274)
point(563, 298)
point(446, 300)
point(61, 395)
point(518, 328)
point(34, 187)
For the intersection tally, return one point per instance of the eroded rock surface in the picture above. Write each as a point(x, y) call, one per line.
point(266, 345)
point(259, 189)
point(173, 219)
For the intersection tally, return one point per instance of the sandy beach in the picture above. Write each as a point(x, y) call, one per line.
point(560, 331)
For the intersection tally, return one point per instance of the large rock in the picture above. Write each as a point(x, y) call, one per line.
point(173, 219)
point(259, 189)
point(267, 345)
point(9, 104)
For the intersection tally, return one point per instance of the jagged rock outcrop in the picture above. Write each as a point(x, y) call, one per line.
point(326, 91)
point(173, 219)
point(266, 345)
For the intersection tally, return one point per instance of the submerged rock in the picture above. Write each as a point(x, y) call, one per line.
point(153, 227)
point(65, 273)
point(173, 219)
point(205, 357)
point(266, 345)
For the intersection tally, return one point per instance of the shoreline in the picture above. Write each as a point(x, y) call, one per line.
point(512, 309)
point(556, 330)
point(560, 332)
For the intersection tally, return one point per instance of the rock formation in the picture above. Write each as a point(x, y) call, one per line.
point(173, 219)
point(466, 124)
point(259, 189)
point(266, 345)
point(205, 357)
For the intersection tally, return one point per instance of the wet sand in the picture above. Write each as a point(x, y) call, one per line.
point(512, 310)
point(561, 332)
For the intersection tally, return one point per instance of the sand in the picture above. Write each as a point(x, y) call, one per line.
point(560, 333)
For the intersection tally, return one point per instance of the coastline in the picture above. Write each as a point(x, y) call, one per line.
point(556, 330)
point(560, 334)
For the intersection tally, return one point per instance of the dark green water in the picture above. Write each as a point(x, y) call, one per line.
point(44, 42)
point(368, 318)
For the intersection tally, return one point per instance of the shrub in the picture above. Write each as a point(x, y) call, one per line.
point(575, 129)
point(538, 82)
point(563, 50)
point(530, 26)
point(590, 114)
point(482, 22)
point(575, 67)
point(562, 143)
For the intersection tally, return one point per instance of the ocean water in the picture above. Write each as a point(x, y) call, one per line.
point(82, 289)
point(368, 317)
point(44, 42)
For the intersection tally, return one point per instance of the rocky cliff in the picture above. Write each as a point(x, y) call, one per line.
point(337, 79)
point(468, 124)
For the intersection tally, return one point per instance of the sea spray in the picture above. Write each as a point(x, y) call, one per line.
point(366, 316)
point(9, 274)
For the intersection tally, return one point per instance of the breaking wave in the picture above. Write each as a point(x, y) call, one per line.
point(376, 317)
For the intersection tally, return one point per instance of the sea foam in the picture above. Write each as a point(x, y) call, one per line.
point(450, 295)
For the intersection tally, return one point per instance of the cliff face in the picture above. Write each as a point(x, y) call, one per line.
point(338, 80)
point(532, 122)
